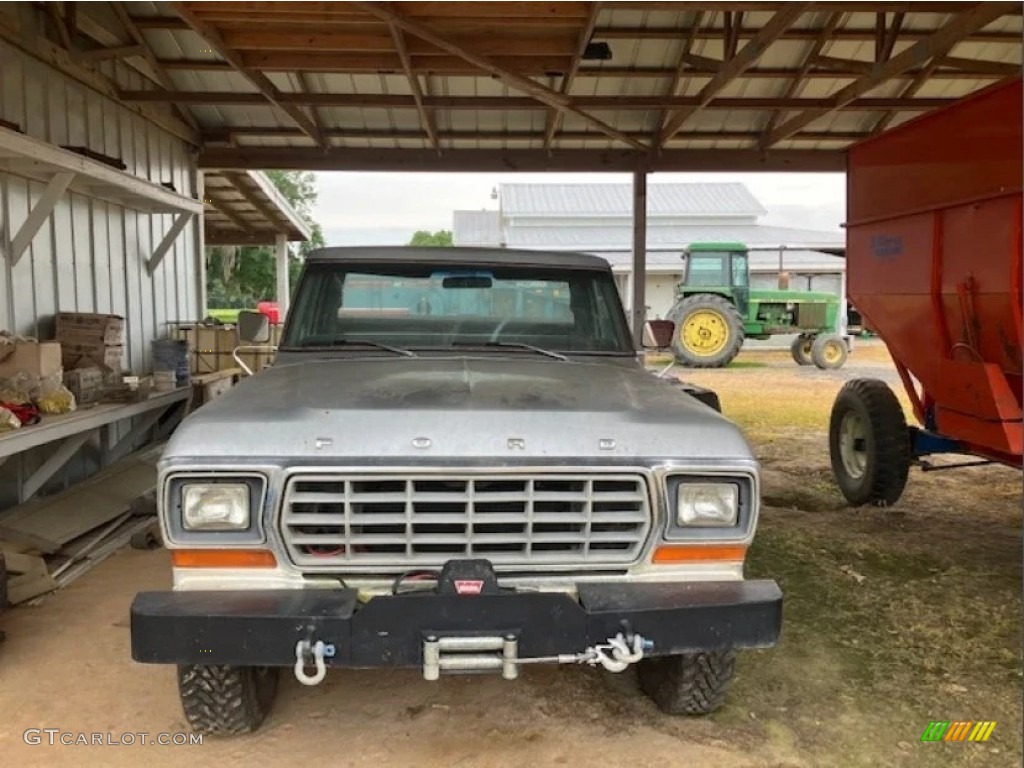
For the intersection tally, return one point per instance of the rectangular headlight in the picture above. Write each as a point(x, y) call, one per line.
point(707, 504)
point(215, 506)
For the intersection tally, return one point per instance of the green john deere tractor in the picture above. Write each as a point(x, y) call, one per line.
point(716, 309)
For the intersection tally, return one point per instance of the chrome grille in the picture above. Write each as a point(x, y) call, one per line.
point(512, 520)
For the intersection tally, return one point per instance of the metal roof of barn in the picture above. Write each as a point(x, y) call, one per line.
point(245, 208)
point(616, 200)
point(614, 86)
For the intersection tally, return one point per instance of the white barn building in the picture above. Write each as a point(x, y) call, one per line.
point(597, 218)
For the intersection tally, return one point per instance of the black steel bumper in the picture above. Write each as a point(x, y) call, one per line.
point(262, 628)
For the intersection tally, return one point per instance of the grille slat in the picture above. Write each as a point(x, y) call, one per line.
point(394, 522)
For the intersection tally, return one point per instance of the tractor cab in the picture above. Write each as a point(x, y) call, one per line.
point(719, 268)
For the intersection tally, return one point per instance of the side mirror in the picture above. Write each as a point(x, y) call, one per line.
point(253, 327)
point(658, 334)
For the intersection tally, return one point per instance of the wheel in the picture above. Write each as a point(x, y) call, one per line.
point(709, 332)
point(688, 684)
point(828, 351)
point(224, 700)
point(801, 349)
point(869, 443)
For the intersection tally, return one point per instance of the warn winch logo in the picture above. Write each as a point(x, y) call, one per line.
point(469, 586)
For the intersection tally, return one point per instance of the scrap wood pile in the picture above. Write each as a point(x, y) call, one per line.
point(49, 543)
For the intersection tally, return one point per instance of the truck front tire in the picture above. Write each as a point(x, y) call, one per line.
point(687, 684)
point(225, 700)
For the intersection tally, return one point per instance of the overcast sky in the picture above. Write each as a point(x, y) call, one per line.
point(386, 208)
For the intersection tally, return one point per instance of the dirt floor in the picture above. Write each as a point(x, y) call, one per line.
point(893, 618)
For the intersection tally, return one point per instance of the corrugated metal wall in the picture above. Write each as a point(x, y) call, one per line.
point(90, 255)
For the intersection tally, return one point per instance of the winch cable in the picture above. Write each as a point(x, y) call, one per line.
point(419, 575)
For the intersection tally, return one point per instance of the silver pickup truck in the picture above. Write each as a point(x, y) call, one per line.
point(457, 463)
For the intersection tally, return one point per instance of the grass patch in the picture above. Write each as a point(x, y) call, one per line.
point(224, 315)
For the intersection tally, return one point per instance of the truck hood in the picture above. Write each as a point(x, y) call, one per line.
point(464, 409)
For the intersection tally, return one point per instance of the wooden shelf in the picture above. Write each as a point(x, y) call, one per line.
point(41, 161)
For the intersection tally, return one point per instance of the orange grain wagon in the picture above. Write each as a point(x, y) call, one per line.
point(934, 266)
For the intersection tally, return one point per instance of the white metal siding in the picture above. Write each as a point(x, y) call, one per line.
point(89, 256)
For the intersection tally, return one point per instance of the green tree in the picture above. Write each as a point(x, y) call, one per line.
point(237, 278)
point(440, 239)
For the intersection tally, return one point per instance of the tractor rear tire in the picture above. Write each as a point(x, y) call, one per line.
point(829, 351)
point(688, 684)
point(801, 349)
point(226, 700)
point(869, 443)
point(706, 318)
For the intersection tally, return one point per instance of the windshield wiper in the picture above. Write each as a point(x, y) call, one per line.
point(328, 346)
point(513, 345)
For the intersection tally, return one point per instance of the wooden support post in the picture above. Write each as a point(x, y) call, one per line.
point(281, 251)
point(180, 221)
point(40, 213)
point(48, 468)
point(639, 309)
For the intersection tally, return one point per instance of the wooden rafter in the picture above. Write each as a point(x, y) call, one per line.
point(702, 67)
point(554, 119)
point(799, 79)
point(502, 103)
point(237, 181)
point(147, 53)
point(537, 91)
point(888, 33)
point(426, 118)
point(937, 44)
point(685, 60)
point(113, 52)
point(269, 91)
point(732, 25)
point(531, 160)
point(735, 66)
point(228, 214)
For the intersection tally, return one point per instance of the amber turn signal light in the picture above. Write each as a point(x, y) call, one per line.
point(223, 558)
point(698, 553)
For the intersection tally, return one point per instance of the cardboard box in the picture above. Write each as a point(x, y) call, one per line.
point(32, 357)
point(90, 328)
point(85, 384)
point(92, 355)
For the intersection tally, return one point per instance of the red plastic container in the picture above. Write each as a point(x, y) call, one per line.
point(271, 310)
point(934, 255)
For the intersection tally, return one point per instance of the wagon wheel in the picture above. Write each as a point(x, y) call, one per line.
point(869, 443)
point(709, 332)
point(801, 349)
point(828, 351)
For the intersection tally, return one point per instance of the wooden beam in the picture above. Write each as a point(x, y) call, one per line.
point(161, 75)
point(504, 103)
point(890, 37)
point(540, 92)
point(426, 118)
point(38, 214)
point(854, 34)
point(854, 66)
point(735, 66)
point(502, 160)
point(237, 181)
point(733, 22)
point(180, 222)
point(685, 60)
point(700, 66)
point(553, 121)
point(61, 456)
point(210, 34)
point(224, 135)
point(979, 67)
point(800, 78)
point(227, 213)
point(937, 44)
point(116, 52)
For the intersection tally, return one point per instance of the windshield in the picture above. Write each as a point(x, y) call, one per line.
point(438, 306)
